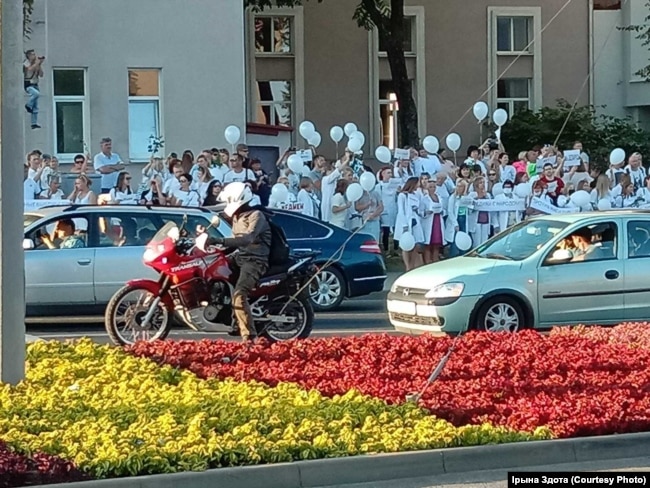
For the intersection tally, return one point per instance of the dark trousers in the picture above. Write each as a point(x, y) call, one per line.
point(248, 272)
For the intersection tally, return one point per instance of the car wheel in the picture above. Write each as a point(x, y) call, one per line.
point(500, 314)
point(327, 290)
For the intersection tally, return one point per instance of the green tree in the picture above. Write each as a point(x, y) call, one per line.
point(599, 134)
point(387, 16)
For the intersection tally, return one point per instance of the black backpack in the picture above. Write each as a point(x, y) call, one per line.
point(280, 248)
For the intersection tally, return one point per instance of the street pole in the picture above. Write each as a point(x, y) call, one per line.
point(12, 126)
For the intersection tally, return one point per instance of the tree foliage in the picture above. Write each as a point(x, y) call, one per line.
point(599, 134)
point(642, 32)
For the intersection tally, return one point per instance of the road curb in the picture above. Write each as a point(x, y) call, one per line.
point(386, 467)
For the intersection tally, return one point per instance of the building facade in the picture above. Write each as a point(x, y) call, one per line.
point(186, 70)
point(618, 56)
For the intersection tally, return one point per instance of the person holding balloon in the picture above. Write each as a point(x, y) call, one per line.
point(408, 230)
point(340, 205)
point(457, 220)
point(388, 193)
point(328, 187)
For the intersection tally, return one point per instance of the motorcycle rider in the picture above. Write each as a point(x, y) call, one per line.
point(252, 237)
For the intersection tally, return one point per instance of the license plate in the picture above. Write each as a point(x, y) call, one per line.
point(401, 307)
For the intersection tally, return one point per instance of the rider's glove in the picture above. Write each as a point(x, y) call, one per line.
point(215, 241)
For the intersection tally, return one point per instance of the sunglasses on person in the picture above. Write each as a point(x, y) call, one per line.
point(493, 174)
point(128, 178)
point(78, 161)
point(183, 181)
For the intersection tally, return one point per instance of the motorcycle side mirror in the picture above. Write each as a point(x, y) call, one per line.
point(215, 221)
point(201, 242)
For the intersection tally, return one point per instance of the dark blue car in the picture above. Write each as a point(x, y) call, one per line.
point(356, 264)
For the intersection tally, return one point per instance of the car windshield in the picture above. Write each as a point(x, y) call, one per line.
point(519, 241)
point(163, 233)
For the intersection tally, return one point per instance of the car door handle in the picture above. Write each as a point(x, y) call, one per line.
point(84, 262)
point(612, 274)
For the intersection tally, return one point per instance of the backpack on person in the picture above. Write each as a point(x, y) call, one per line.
point(280, 249)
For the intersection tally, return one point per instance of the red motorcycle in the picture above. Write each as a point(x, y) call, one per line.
point(195, 287)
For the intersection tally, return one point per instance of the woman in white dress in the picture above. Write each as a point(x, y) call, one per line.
point(388, 194)
point(122, 194)
point(457, 216)
point(340, 205)
point(408, 221)
point(82, 194)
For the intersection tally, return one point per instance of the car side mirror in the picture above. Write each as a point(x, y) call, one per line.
point(561, 256)
point(28, 244)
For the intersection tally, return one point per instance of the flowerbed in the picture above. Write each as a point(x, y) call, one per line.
point(115, 414)
point(578, 382)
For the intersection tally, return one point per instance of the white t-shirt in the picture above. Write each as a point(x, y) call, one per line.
point(122, 197)
point(58, 195)
point(637, 176)
point(187, 198)
point(31, 189)
point(219, 172)
point(340, 218)
point(171, 185)
point(243, 175)
point(100, 160)
point(430, 165)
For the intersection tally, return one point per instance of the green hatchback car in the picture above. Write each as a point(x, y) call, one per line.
point(585, 268)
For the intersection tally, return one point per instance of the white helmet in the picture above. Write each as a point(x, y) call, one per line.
point(235, 195)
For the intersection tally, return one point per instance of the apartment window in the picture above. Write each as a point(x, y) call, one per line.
point(274, 105)
point(144, 111)
point(388, 108)
point(274, 35)
point(409, 38)
point(514, 34)
point(513, 94)
point(69, 111)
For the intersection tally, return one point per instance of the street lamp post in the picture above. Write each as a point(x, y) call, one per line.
point(12, 127)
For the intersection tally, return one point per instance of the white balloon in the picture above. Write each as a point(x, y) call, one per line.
point(336, 134)
point(232, 134)
point(617, 156)
point(562, 201)
point(587, 208)
point(295, 163)
point(305, 170)
point(581, 198)
point(497, 189)
point(453, 142)
point(604, 204)
point(355, 145)
point(306, 129)
point(354, 192)
point(522, 190)
point(359, 135)
point(431, 144)
point(383, 155)
point(463, 241)
point(481, 110)
point(280, 192)
point(367, 181)
point(350, 128)
point(315, 139)
point(500, 117)
point(407, 242)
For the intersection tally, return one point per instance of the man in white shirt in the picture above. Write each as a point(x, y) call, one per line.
point(30, 187)
point(636, 170)
point(35, 168)
point(237, 171)
point(427, 163)
point(172, 184)
point(109, 164)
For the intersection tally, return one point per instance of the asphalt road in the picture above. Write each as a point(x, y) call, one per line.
point(355, 317)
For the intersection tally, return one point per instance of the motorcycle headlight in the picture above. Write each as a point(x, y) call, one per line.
point(446, 290)
point(149, 255)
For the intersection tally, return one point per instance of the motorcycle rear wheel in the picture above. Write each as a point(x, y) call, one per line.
point(299, 308)
point(124, 316)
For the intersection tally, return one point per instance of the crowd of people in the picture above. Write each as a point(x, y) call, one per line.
point(427, 196)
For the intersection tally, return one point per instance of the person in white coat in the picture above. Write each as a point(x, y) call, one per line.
point(508, 218)
point(457, 216)
point(627, 198)
point(388, 194)
point(408, 221)
point(307, 197)
point(435, 242)
point(644, 193)
point(480, 222)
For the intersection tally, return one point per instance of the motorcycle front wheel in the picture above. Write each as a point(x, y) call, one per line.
point(125, 314)
point(299, 319)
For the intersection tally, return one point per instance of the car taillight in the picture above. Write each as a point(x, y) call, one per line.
point(371, 246)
